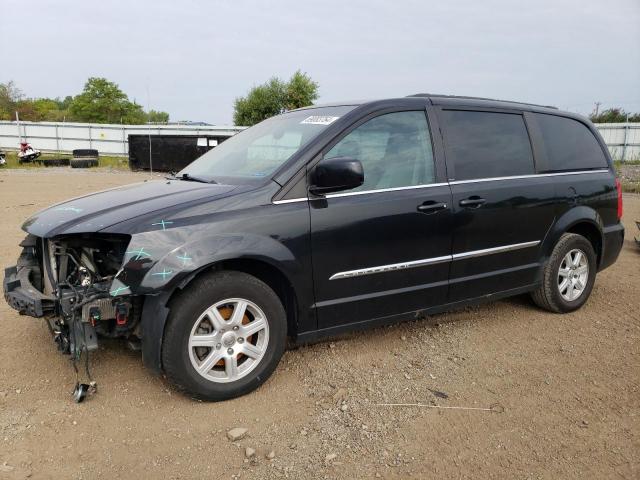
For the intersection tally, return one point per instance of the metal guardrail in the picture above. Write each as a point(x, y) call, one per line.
point(110, 139)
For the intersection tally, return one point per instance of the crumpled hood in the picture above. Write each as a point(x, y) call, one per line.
point(100, 210)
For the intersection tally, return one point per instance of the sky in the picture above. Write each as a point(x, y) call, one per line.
point(193, 58)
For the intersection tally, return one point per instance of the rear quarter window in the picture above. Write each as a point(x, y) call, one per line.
point(487, 144)
point(569, 144)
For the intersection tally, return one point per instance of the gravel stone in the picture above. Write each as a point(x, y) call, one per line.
point(237, 433)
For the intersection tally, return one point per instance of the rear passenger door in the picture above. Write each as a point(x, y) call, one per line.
point(502, 210)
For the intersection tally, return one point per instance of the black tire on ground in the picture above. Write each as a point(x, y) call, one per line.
point(55, 162)
point(83, 162)
point(548, 295)
point(186, 309)
point(85, 152)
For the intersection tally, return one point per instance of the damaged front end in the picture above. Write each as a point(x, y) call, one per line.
point(66, 280)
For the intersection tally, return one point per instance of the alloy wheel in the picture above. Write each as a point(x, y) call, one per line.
point(228, 340)
point(573, 275)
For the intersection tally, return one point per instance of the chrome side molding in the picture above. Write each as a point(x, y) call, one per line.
point(380, 190)
point(535, 175)
point(491, 251)
point(452, 182)
point(390, 268)
point(432, 261)
point(290, 200)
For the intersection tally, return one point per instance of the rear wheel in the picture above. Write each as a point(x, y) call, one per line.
point(224, 337)
point(569, 275)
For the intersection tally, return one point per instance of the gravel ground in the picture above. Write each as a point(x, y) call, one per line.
point(629, 175)
point(563, 389)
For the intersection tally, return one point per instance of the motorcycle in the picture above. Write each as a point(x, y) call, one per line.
point(27, 153)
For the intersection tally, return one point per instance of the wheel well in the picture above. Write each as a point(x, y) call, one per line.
point(591, 233)
point(269, 275)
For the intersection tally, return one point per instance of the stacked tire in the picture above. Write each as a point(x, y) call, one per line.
point(84, 158)
point(55, 162)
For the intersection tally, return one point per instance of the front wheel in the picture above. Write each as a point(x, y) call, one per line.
point(224, 337)
point(569, 275)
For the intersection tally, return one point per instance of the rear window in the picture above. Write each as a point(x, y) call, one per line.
point(487, 144)
point(569, 144)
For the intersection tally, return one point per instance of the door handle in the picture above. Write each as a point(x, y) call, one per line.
point(432, 207)
point(472, 202)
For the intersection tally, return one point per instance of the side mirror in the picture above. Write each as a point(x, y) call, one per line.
point(336, 174)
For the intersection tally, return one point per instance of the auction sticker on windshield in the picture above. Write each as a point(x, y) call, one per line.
point(319, 120)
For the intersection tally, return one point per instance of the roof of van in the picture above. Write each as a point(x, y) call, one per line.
point(441, 99)
point(448, 99)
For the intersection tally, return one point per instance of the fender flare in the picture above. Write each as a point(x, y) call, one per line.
point(571, 218)
point(155, 310)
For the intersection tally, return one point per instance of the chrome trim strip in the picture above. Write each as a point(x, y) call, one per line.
point(535, 175)
point(432, 261)
point(394, 189)
point(289, 200)
point(454, 182)
point(491, 251)
point(390, 268)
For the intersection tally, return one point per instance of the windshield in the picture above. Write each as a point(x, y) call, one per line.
point(257, 152)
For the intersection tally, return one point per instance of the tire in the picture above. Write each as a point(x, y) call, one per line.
point(85, 152)
point(83, 162)
point(55, 162)
point(549, 295)
point(187, 318)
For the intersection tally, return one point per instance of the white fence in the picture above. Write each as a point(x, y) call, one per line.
point(623, 139)
point(106, 138)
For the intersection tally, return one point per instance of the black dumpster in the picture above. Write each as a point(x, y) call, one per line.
point(170, 153)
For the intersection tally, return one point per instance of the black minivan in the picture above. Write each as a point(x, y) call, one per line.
point(323, 220)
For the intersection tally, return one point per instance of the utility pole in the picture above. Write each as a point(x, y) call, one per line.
point(149, 125)
point(19, 132)
point(597, 109)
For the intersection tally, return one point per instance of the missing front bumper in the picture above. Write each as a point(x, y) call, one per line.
point(22, 296)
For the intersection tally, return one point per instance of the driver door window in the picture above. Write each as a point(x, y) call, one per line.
point(394, 149)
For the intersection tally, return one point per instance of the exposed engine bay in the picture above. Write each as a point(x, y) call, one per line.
point(70, 277)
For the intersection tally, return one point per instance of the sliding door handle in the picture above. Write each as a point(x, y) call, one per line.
point(431, 207)
point(472, 202)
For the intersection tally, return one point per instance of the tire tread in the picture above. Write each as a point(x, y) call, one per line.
point(544, 296)
point(203, 286)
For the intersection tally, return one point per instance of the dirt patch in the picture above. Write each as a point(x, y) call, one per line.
point(569, 386)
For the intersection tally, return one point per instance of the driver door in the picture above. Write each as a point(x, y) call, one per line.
point(383, 248)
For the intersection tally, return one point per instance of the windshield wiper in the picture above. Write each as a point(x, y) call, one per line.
point(190, 178)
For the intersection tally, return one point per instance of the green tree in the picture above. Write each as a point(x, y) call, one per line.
point(65, 103)
point(102, 101)
point(46, 109)
point(301, 91)
point(10, 95)
point(274, 97)
point(614, 115)
point(154, 116)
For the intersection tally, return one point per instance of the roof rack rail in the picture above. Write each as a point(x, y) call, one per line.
point(479, 98)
